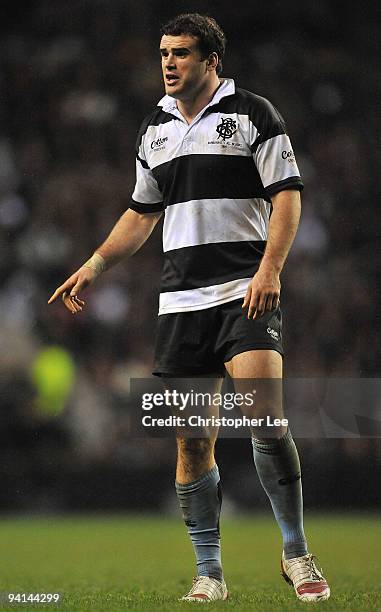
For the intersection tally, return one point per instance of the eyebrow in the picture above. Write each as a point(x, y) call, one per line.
point(175, 49)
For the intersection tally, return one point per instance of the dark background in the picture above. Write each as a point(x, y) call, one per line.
point(76, 79)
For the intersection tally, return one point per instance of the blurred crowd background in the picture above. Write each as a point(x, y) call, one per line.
point(76, 79)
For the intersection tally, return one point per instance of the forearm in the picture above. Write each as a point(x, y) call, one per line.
point(127, 236)
point(283, 224)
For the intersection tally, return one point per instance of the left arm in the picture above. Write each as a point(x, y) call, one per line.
point(264, 289)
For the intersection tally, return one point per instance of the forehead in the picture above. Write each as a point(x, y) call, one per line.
point(178, 42)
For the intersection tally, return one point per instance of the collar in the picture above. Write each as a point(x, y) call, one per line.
point(227, 88)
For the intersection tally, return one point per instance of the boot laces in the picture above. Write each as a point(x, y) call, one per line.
point(304, 569)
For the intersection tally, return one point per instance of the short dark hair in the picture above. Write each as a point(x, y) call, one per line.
point(211, 38)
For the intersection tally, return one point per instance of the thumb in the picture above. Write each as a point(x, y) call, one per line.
point(77, 287)
point(83, 279)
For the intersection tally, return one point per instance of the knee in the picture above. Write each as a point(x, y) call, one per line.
point(195, 447)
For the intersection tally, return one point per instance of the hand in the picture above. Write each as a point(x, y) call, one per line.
point(70, 288)
point(262, 293)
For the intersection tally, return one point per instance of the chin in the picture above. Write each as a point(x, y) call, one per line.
point(171, 92)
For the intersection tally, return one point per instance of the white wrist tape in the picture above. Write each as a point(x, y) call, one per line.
point(96, 263)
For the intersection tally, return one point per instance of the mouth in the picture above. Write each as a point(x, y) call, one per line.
point(171, 79)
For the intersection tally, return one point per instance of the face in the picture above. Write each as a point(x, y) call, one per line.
point(185, 74)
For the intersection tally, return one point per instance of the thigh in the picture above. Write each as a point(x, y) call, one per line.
point(260, 372)
point(261, 363)
point(193, 400)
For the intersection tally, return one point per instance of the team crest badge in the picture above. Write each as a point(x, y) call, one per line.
point(226, 128)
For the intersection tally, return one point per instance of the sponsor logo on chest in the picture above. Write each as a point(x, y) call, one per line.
point(226, 128)
point(159, 144)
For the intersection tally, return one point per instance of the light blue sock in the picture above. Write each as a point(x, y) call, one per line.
point(278, 468)
point(200, 502)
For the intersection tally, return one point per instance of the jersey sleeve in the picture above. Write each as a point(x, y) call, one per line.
point(147, 197)
point(273, 154)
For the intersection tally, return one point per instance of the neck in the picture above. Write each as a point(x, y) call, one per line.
point(190, 108)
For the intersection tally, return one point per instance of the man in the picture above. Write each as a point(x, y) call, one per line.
point(217, 161)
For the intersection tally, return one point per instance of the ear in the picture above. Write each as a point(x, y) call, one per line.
point(212, 62)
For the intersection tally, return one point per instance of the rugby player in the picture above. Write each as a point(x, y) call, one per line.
point(217, 162)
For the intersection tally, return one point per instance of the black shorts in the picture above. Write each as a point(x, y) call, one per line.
point(199, 342)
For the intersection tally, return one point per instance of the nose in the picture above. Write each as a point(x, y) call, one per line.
point(170, 61)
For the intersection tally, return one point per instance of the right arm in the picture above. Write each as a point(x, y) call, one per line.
point(126, 237)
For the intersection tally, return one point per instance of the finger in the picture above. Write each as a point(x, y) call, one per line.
point(68, 302)
point(247, 298)
point(268, 304)
point(69, 306)
point(252, 306)
point(275, 302)
point(77, 300)
point(59, 291)
point(261, 308)
point(77, 307)
point(54, 296)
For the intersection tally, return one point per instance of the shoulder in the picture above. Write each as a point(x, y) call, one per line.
point(260, 110)
point(157, 117)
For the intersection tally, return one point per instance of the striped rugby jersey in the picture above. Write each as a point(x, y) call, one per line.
point(214, 180)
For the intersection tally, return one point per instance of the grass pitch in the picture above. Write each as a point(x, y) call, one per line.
point(144, 563)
